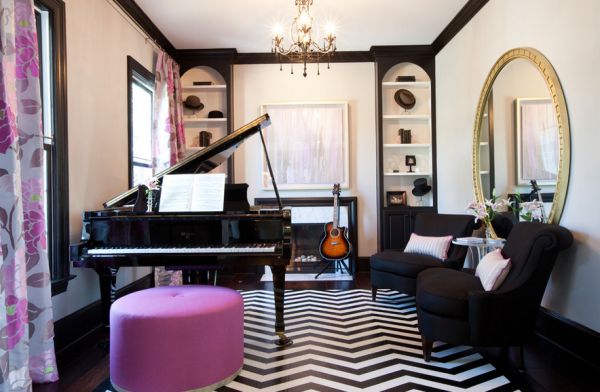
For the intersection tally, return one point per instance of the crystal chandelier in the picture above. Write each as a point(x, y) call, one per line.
point(303, 49)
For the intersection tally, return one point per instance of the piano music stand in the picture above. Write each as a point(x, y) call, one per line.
point(338, 263)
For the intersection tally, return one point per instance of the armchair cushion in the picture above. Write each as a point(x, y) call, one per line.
point(492, 270)
point(426, 245)
point(404, 264)
point(445, 292)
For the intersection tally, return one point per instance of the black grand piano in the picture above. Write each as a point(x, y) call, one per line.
point(120, 236)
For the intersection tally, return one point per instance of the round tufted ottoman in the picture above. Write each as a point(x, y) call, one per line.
point(176, 338)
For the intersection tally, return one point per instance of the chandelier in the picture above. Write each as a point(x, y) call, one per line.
point(303, 48)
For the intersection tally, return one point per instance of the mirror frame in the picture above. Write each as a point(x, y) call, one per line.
point(560, 107)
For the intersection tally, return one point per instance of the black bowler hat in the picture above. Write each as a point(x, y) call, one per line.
point(405, 99)
point(421, 188)
point(215, 114)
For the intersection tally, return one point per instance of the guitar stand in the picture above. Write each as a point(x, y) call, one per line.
point(338, 263)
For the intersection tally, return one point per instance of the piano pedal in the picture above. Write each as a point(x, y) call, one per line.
point(283, 340)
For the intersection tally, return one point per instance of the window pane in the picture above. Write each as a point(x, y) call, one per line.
point(142, 132)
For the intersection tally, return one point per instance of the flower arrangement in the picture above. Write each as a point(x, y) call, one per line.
point(530, 211)
point(487, 210)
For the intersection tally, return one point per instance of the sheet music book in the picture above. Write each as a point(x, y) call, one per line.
point(192, 193)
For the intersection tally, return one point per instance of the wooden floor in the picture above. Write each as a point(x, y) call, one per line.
point(547, 368)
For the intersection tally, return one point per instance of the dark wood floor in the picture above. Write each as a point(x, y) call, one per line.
point(547, 368)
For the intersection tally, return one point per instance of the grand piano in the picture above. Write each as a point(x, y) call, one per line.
point(123, 235)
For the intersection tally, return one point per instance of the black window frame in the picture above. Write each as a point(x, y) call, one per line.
point(58, 168)
point(134, 69)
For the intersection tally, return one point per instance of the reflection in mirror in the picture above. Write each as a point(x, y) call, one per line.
point(522, 133)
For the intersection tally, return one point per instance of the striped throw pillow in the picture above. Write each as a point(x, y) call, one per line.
point(431, 246)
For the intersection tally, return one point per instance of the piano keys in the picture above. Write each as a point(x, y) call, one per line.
point(121, 237)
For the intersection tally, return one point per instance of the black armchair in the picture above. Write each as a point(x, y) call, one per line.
point(453, 307)
point(398, 270)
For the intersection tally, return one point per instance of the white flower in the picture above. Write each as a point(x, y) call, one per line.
point(152, 184)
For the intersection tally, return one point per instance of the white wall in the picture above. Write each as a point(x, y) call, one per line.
point(98, 42)
point(567, 34)
point(352, 82)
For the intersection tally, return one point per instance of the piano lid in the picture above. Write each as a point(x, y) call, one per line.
point(202, 161)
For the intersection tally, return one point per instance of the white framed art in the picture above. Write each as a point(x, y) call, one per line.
point(307, 144)
point(537, 141)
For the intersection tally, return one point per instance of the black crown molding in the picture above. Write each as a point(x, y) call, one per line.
point(139, 16)
point(336, 57)
point(466, 13)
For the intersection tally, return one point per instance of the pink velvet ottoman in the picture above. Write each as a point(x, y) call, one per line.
point(176, 338)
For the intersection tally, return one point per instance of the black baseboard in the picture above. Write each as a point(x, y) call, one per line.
point(82, 330)
point(575, 339)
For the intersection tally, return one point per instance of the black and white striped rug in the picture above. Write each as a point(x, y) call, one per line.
point(343, 341)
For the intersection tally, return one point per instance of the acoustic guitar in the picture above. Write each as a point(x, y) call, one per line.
point(334, 242)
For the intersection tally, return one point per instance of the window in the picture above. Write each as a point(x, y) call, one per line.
point(50, 23)
point(140, 84)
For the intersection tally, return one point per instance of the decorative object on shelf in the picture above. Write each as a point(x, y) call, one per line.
point(405, 99)
point(215, 114)
point(420, 187)
point(202, 83)
point(410, 161)
point(396, 198)
point(193, 102)
point(405, 137)
point(303, 48)
point(204, 138)
point(406, 78)
point(151, 187)
point(487, 211)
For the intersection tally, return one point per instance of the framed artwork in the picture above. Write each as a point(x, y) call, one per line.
point(307, 144)
point(537, 141)
point(396, 198)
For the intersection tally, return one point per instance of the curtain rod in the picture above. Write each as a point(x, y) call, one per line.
point(133, 23)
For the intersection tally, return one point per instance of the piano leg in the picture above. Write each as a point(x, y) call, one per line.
point(278, 272)
point(108, 291)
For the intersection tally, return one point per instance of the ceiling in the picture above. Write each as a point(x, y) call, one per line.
point(248, 25)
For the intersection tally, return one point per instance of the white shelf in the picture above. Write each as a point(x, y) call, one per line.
point(484, 144)
point(406, 117)
point(406, 84)
point(401, 174)
point(206, 87)
point(484, 172)
point(189, 121)
point(406, 145)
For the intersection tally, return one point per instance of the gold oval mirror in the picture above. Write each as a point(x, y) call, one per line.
point(522, 132)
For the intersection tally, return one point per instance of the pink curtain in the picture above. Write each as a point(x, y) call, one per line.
point(26, 320)
point(168, 134)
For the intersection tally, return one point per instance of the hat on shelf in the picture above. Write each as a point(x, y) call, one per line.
point(405, 99)
point(421, 188)
point(193, 102)
point(406, 78)
point(215, 114)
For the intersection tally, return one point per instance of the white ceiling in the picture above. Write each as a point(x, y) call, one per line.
point(248, 25)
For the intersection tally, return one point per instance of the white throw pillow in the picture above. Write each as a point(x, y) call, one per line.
point(431, 246)
point(492, 270)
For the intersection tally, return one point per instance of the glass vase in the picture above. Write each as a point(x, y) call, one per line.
point(150, 201)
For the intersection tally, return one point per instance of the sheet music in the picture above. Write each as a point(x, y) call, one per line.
point(192, 192)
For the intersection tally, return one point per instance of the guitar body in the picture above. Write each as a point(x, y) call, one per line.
point(334, 243)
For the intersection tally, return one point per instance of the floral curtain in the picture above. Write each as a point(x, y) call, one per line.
point(168, 134)
point(26, 326)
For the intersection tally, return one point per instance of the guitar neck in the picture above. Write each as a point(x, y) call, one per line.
point(336, 211)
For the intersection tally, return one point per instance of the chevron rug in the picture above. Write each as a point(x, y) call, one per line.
point(343, 341)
